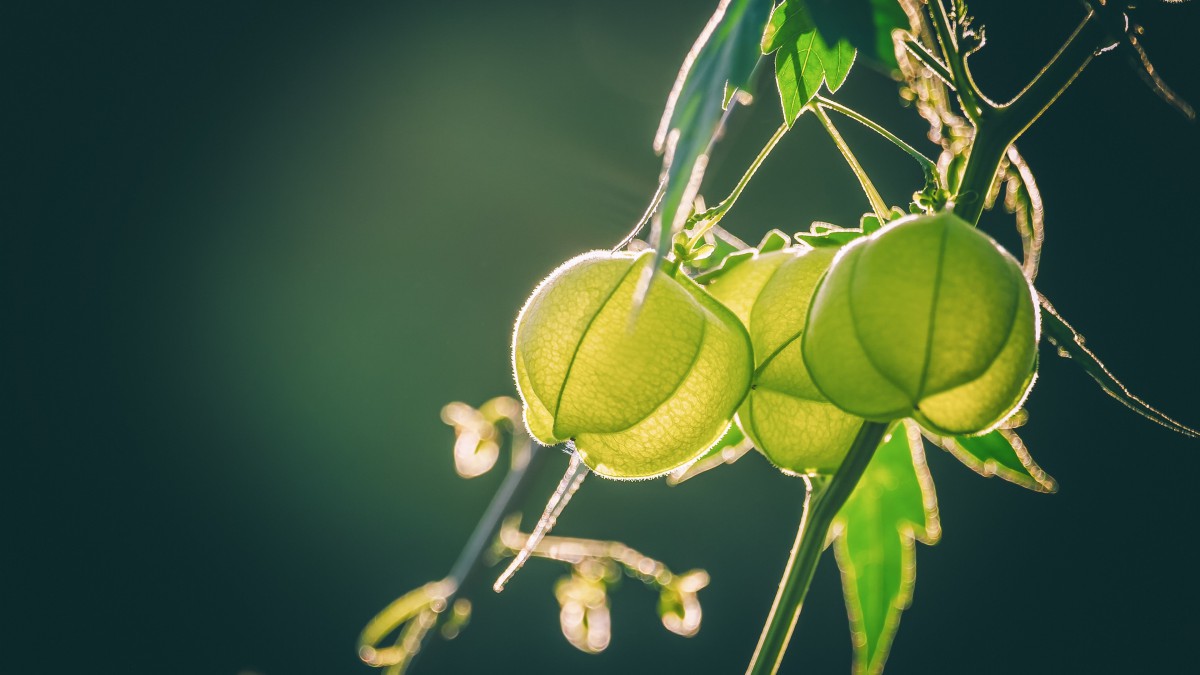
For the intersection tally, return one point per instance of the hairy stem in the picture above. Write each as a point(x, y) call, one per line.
point(877, 204)
point(819, 513)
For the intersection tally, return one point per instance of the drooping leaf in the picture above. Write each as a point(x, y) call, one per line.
point(721, 61)
point(1070, 344)
point(804, 58)
point(893, 506)
point(998, 453)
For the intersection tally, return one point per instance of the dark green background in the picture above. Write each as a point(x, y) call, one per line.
point(249, 251)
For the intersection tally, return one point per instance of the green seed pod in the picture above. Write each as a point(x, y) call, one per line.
point(927, 318)
point(640, 390)
point(784, 415)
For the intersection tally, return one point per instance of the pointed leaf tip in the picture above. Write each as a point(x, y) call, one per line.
point(1000, 453)
point(1070, 343)
point(893, 507)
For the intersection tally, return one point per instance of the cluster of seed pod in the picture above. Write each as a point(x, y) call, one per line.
point(926, 318)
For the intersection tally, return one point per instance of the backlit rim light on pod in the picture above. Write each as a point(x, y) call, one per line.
point(645, 425)
point(861, 360)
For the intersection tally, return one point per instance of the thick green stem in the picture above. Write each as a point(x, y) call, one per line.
point(996, 132)
point(877, 204)
point(982, 166)
point(714, 215)
point(819, 513)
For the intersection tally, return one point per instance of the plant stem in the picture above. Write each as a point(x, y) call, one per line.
point(996, 132)
point(928, 165)
point(1070, 60)
point(509, 495)
point(974, 103)
point(930, 61)
point(714, 215)
point(806, 552)
point(877, 204)
point(983, 163)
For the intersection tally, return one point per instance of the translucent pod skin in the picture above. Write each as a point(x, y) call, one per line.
point(785, 415)
point(927, 318)
point(641, 391)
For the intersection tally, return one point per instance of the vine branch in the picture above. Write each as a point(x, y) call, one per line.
point(996, 132)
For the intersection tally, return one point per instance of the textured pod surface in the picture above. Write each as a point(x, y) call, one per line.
point(785, 415)
point(641, 391)
point(927, 318)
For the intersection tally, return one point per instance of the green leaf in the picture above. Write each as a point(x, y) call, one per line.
point(804, 57)
point(865, 24)
point(1070, 344)
point(999, 453)
point(893, 506)
point(722, 60)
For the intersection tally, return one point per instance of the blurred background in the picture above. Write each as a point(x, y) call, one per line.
point(250, 250)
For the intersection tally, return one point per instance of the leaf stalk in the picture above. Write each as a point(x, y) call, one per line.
point(711, 217)
point(927, 164)
point(877, 204)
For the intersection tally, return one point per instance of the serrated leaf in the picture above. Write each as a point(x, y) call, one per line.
point(998, 453)
point(865, 24)
point(1070, 344)
point(722, 59)
point(804, 58)
point(893, 506)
